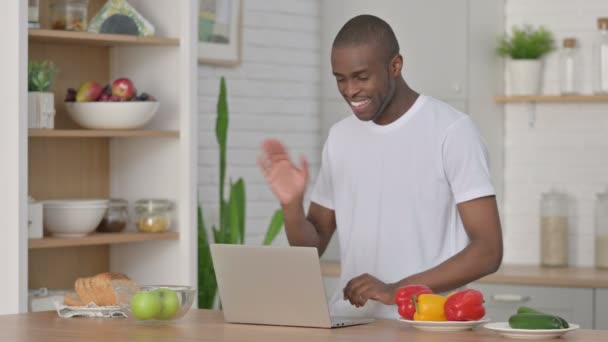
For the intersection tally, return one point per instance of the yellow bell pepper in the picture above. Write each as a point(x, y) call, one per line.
point(429, 307)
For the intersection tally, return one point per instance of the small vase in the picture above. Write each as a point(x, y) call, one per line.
point(525, 76)
point(41, 109)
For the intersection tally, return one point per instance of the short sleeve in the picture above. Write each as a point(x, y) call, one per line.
point(466, 161)
point(323, 191)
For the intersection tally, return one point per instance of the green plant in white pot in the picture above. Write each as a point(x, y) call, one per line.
point(231, 226)
point(41, 101)
point(525, 48)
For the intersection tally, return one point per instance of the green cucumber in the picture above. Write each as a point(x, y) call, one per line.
point(527, 309)
point(533, 320)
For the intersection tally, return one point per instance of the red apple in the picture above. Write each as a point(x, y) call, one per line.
point(88, 91)
point(123, 88)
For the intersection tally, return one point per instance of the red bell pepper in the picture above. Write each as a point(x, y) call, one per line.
point(466, 305)
point(403, 299)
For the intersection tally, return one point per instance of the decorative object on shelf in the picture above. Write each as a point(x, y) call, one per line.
point(34, 219)
point(41, 101)
point(219, 32)
point(554, 229)
point(601, 230)
point(601, 56)
point(153, 215)
point(119, 17)
point(70, 15)
point(232, 217)
point(525, 47)
point(569, 75)
point(33, 14)
point(116, 217)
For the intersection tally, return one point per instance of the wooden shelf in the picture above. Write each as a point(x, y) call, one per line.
point(89, 133)
point(98, 39)
point(552, 98)
point(100, 239)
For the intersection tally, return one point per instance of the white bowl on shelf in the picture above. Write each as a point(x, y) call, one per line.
point(73, 217)
point(112, 115)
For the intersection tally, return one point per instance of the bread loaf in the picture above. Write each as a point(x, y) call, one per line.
point(72, 299)
point(104, 289)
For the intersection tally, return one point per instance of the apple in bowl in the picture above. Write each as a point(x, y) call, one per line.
point(161, 303)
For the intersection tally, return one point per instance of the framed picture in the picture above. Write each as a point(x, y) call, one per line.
point(219, 32)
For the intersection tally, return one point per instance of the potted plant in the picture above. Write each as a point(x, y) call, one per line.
point(41, 101)
point(231, 227)
point(525, 48)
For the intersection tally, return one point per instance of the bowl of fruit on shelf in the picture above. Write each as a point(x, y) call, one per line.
point(160, 303)
point(113, 106)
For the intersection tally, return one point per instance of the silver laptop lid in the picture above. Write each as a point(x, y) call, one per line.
point(270, 285)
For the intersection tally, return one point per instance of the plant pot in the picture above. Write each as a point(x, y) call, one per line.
point(41, 109)
point(525, 76)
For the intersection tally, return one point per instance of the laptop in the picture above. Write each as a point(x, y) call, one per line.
point(274, 286)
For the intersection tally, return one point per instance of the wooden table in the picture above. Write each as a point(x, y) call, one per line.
point(206, 325)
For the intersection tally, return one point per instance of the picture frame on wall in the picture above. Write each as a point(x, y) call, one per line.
point(219, 32)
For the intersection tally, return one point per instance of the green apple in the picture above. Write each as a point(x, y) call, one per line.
point(169, 303)
point(146, 305)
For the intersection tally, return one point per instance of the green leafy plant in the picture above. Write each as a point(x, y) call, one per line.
point(231, 227)
point(40, 75)
point(526, 43)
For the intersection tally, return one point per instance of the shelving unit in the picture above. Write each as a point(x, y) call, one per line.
point(100, 239)
point(90, 133)
point(158, 161)
point(552, 98)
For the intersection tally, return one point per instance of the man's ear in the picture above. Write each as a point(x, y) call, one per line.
point(396, 65)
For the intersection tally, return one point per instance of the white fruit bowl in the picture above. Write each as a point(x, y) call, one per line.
point(112, 115)
point(73, 217)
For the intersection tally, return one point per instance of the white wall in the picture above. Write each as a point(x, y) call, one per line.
point(13, 151)
point(274, 92)
point(568, 146)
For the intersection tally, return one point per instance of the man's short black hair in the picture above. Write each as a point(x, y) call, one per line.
point(368, 29)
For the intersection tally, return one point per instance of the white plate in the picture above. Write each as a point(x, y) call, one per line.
point(503, 329)
point(444, 325)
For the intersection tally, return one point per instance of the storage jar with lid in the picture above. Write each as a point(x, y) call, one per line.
point(153, 215)
point(569, 64)
point(554, 229)
point(601, 230)
point(69, 15)
point(116, 217)
point(601, 56)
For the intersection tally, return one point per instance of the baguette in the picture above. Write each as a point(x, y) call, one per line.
point(104, 289)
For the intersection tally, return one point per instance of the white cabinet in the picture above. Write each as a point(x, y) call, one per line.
point(573, 304)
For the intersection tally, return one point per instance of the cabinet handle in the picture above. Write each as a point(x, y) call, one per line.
point(510, 298)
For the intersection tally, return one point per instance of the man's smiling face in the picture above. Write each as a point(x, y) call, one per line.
point(363, 78)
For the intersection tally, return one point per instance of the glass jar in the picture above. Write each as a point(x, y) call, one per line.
point(568, 73)
point(601, 57)
point(116, 217)
point(153, 215)
point(554, 229)
point(601, 230)
point(33, 13)
point(69, 15)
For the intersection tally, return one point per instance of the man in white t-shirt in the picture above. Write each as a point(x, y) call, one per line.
point(405, 181)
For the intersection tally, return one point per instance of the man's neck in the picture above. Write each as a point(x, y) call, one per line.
point(402, 101)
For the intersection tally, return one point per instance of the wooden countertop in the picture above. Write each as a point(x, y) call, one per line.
point(525, 275)
point(206, 325)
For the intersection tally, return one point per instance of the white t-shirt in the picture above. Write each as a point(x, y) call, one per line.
point(394, 190)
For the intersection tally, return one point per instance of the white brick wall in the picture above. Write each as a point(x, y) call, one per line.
point(274, 92)
point(566, 149)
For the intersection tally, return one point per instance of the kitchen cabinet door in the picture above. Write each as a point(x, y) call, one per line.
point(573, 304)
point(601, 309)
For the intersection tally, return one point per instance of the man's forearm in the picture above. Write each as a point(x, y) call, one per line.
point(472, 263)
point(300, 231)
